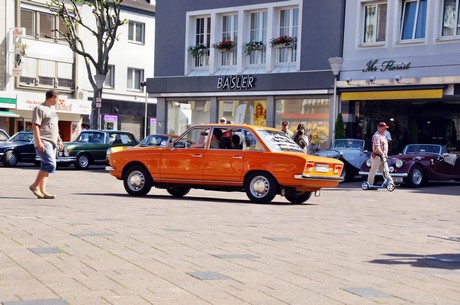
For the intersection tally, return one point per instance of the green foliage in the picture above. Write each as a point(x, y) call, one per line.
point(198, 50)
point(253, 46)
point(339, 127)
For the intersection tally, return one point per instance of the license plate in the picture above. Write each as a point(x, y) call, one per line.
point(398, 179)
point(322, 168)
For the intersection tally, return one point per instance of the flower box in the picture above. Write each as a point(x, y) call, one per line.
point(283, 42)
point(224, 46)
point(253, 46)
point(198, 50)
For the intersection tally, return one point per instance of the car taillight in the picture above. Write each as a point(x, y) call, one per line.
point(338, 168)
point(309, 167)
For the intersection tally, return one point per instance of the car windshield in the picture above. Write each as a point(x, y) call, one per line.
point(21, 137)
point(278, 141)
point(348, 143)
point(422, 149)
point(155, 140)
point(90, 137)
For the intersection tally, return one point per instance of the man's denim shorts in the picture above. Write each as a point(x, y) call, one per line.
point(48, 158)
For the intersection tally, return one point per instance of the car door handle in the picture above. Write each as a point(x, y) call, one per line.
point(237, 157)
point(197, 155)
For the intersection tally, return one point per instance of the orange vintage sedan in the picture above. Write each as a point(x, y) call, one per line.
point(260, 161)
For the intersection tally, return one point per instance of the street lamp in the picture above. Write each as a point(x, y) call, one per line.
point(144, 85)
point(99, 79)
point(336, 65)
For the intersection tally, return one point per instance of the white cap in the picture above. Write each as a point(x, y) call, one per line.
point(223, 119)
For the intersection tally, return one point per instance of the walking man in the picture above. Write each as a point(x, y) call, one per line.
point(285, 129)
point(379, 153)
point(47, 140)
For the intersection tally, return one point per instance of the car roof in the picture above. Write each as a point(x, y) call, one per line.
point(235, 126)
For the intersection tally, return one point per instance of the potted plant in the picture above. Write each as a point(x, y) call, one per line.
point(198, 50)
point(224, 46)
point(284, 41)
point(253, 46)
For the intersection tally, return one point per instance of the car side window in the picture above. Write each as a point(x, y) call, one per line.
point(196, 136)
point(250, 141)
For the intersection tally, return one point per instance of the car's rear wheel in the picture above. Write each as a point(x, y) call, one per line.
point(298, 197)
point(83, 161)
point(261, 187)
point(416, 177)
point(10, 158)
point(137, 181)
point(178, 192)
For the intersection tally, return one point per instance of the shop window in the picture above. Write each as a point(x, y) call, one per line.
point(375, 21)
point(136, 32)
point(135, 76)
point(413, 20)
point(312, 112)
point(450, 18)
point(183, 114)
point(252, 112)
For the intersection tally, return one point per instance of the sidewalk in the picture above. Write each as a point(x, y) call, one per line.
point(94, 244)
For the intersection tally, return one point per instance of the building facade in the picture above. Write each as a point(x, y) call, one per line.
point(254, 62)
point(37, 59)
point(402, 65)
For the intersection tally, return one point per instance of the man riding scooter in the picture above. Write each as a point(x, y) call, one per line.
point(379, 156)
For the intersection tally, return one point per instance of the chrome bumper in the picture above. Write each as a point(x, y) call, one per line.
point(109, 168)
point(311, 177)
point(66, 159)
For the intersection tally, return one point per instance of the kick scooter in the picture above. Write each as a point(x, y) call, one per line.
point(387, 183)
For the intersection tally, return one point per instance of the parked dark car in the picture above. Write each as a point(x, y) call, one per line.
point(18, 148)
point(351, 152)
point(90, 147)
point(4, 136)
point(419, 163)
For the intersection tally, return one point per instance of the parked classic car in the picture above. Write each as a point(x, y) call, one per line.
point(90, 147)
point(420, 163)
point(263, 163)
point(18, 148)
point(351, 152)
point(4, 136)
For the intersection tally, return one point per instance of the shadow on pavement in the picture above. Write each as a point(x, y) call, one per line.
point(449, 261)
point(195, 198)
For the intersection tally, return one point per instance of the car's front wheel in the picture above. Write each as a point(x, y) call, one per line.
point(83, 161)
point(416, 177)
point(137, 181)
point(298, 197)
point(10, 158)
point(261, 187)
point(177, 191)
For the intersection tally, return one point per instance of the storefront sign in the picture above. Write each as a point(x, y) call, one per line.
point(236, 82)
point(65, 105)
point(387, 65)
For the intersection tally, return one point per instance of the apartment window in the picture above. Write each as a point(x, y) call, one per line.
point(413, 19)
point(289, 26)
point(229, 32)
point(451, 21)
point(46, 73)
point(202, 36)
point(135, 76)
point(136, 32)
point(110, 77)
point(64, 75)
point(258, 33)
point(42, 25)
point(375, 21)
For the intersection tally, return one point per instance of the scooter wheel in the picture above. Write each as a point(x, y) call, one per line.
point(365, 185)
point(391, 187)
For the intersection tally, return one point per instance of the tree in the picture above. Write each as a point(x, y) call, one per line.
point(106, 14)
point(339, 127)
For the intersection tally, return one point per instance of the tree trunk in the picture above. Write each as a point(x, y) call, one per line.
point(95, 111)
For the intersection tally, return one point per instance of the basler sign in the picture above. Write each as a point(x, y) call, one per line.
point(236, 82)
point(387, 65)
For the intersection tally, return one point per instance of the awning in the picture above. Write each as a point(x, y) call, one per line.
point(8, 114)
point(392, 95)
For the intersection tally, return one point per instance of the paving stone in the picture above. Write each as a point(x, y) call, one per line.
point(37, 302)
point(208, 276)
point(46, 250)
point(367, 292)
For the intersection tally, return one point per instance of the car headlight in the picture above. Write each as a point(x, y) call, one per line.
point(109, 151)
point(368, 163)
point(399, 163)
point(66, 151)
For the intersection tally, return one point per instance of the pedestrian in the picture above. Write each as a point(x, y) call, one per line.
point(46, 140)
point(223, 120)
point(301, 139)
point(379, 154)
point(285, 129)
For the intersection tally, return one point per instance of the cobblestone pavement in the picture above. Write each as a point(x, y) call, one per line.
point(96, 245)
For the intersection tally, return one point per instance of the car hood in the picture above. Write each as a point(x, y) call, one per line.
point(330, 153)
point(5, 146)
